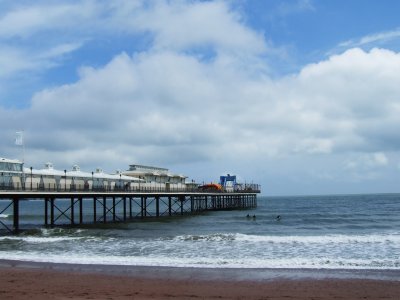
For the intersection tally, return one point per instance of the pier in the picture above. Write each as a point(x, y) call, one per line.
point(75, 198)
point(84, 208)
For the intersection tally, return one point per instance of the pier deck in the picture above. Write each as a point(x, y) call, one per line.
point(75, 208)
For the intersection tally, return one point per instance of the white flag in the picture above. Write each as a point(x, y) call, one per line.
point(19, 139)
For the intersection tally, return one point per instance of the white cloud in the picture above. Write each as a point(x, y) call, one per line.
point(311, 146)
point(25, 20)
point(380, 159)
point(158, 104)
point(183, 25)
point(385, 39)
point(372, 39)
point(48, 30)
point(14, 61)
point(366, 166)
point(34, 36)
point(368, 161)
point(60, 50)
point(293, 7)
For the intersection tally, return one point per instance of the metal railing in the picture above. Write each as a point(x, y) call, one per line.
point(240, 188)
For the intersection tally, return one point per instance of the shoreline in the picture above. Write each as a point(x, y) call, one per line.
point(31, 280)
point(208, 274)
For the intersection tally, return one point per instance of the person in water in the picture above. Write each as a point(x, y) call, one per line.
point(278, 217)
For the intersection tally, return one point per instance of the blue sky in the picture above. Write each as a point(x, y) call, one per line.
point(300, 96)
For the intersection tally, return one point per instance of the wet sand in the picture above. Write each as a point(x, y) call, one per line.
point(27, 280)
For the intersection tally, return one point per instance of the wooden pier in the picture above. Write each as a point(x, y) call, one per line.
point(78, 208)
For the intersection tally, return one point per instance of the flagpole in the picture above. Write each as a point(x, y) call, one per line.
point(23, 148)
point(19, 141)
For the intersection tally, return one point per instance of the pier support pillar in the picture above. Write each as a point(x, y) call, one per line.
point(182, 198)
point(104, 210)
point(16, 214)
point(124, 203)
point(143, 206)
point(157, 206)
point(72, 211)
point(46, 212)
point(94, 210)
point(130, 207)
point(80, 210)
point(113, 208)
point(52, 212)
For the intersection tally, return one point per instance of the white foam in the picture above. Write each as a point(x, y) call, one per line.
point(36, 240)
point(320, 239)
point(200, 262)
point(218, 237)
point(295, 239)
point(228, 250)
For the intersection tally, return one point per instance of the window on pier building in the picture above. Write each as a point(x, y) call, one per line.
point(8, 166)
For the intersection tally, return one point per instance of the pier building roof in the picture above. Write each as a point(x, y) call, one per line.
point(10, 160)
point(150, 173)
point(76, 172)
point(149, 169)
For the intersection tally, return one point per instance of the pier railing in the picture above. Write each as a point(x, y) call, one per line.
point(242, 188)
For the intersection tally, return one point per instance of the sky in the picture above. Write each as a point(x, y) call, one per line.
point(300, 96)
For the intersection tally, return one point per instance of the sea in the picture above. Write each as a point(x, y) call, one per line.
point(303, 232)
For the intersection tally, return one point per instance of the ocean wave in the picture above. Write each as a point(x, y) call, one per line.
point(202, 262)
point(320, 239)
point(218, 237)
point(36, 240)
point(294, 239)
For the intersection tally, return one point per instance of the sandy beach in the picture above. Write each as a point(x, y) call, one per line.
point(23, 280)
